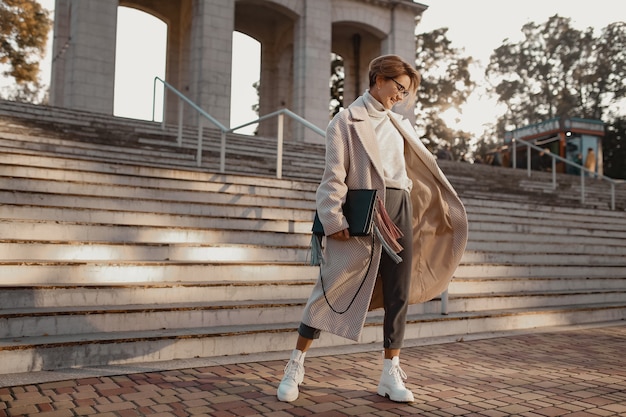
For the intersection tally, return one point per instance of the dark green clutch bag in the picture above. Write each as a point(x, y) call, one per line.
point(359, 211)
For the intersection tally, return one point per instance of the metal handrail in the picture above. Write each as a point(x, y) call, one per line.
point(279, 137)
point(224, 130)
point(554, 157)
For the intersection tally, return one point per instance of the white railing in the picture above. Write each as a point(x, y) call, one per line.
point(202, 115)
point(584, 172)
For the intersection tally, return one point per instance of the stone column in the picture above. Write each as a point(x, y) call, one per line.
point(401, 41)
point(83, 66)
point(311, 68)
point(211, 57)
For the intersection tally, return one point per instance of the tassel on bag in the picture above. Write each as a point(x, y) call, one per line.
point(316, 250)
point(392, 254)
point(387, 232)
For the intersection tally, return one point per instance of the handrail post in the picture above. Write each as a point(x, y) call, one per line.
point(514, 163)
point(553, 173)
point(279, 146)
point(180, 123)
point(223, 152)
point(612, 195)
point(528, 167)
point(444, 302)
point(199, 150)
point(164, 109)
point(582, 186)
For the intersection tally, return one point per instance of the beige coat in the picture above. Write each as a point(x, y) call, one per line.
point(353, 161)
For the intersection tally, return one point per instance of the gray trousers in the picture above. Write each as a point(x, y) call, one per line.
point(396, 278)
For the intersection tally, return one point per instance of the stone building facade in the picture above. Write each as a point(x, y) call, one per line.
point(297, 38)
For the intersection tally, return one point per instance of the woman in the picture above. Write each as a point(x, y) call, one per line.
point(370, 147)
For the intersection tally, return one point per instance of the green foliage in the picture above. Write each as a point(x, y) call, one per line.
point(559, 71)
point(24, 28)
point(614, 146)
point(446, 84)
point(337, 76)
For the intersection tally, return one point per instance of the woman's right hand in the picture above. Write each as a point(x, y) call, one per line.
point(341, 235)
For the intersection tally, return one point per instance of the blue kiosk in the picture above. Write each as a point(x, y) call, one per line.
point(577, 140)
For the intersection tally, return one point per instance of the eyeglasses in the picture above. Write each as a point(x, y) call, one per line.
point(403, 91)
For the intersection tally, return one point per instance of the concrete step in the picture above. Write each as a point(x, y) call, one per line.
point(150, 294)
point(70, 320)
point(222, 184)
point(504, 285)
point(45, 144)
point(80, 272)
point(523, 285)
point(40, 321)
point(242, 154)
point(59, 250)
point(201, 193)
point(542, 258)
point(154, 293)
point(56, 162)
point(46, 353)
point(538, 298)
point(116, 191)
point(518, 231)
point(546, 244)
point(553, 220)
point(26, 205)
point(43, 272)
point(108, 252)
point(497, 207)
point(149, 206)
point(580, 270)
point(175, 220)
point(50, 230)
point(498, 233)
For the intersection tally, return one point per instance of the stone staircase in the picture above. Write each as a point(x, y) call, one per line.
point(117, 249)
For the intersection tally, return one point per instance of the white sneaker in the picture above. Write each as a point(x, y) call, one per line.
point(294, 375)
point(392, 382)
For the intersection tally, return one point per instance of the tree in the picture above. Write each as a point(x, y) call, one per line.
point(446, 84)
point(337, 76)
point(558, 71)
point(24, 28)
point(614, 145)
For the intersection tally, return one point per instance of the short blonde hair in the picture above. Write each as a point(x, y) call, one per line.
point(392, 66)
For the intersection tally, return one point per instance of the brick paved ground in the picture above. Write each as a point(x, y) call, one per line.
point(561, 373)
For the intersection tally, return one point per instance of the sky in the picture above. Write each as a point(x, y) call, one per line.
point(480, 26)
point(476, 27)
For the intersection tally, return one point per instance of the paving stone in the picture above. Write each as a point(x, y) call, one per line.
point(475, 378)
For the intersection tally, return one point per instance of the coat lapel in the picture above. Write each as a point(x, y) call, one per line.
point(365, 132)
point(418, 147)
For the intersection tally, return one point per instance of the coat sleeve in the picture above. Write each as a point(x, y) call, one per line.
point(332, 191)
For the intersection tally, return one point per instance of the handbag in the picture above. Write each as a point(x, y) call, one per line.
point(366, 216)
point(358, 210)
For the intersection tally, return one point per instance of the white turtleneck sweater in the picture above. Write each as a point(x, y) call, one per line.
point(390, 144)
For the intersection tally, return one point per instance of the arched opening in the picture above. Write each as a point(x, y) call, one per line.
point(357, 44)
point(273, 27)
point(245, 75)
point(140, 56)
